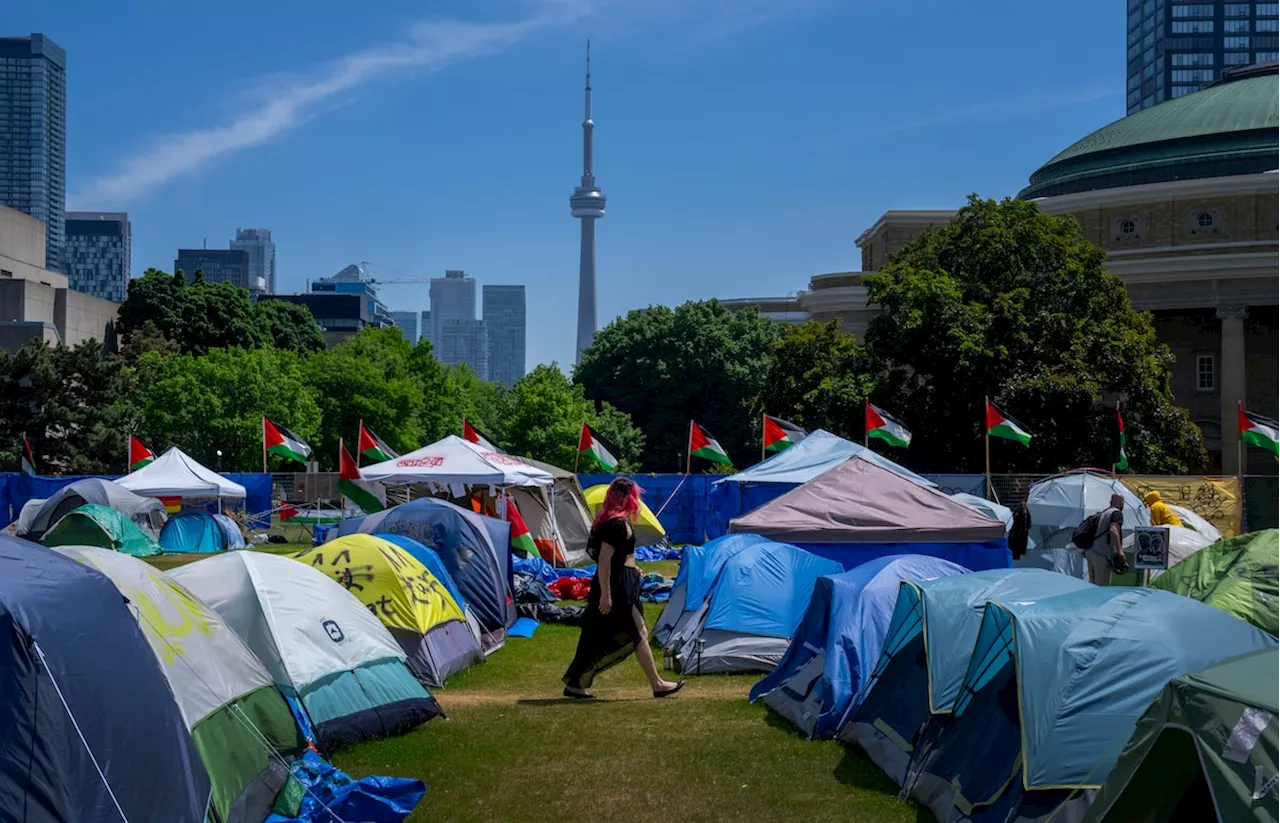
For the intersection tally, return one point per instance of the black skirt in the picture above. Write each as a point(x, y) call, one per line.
point(607, 639)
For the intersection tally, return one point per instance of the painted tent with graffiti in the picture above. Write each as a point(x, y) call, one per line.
point(240, 723)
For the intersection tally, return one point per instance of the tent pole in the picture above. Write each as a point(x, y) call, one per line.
point(986, 438)
point(357, 444)
point(577, 453)
point(688, 452)
point(264, 445)
point(764, 424)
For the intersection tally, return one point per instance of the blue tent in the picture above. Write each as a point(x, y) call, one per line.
point(993, 510)
point(234, 538)
point(926, 654)
point(752, 610)
point(74, 663)
point(427, 556)
point(838, 642)
point(192, 530)
point(699, 567)
point(751, 488)
point(465, 542)
point(1053, 691)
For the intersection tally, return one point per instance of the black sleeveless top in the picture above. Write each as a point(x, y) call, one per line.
point(617, 533)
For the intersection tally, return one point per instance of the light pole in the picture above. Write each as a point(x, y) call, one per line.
point(219, 460)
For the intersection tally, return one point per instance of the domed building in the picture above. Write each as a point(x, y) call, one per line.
point(1183, 198)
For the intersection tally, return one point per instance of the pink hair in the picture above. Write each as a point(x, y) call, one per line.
point(621, 500)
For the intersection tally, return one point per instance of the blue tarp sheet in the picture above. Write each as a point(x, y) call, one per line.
point(16, 489)
point(993, 554)
point(331, 794)
point(847, 619)
point(764, 589)
point(679, 501)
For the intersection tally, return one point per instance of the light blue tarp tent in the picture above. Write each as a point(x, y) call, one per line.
point(476, 551)
point(993, 510)
point(859, 510)
point(926, 654)
point(751, 488)
point(838, 642)
point(193, 530)
point(230, 531)
point(753, 608)
point(1054, 690)
point(75, 666)
point(699, 567)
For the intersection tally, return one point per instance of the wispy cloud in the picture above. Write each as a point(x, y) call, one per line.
point(1010, 107)
point(427, 46)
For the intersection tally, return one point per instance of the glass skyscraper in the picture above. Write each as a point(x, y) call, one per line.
point(262, 258)
point(219, 266)
point(33, 135)
point(407, 323)
point(1175, 48)
point(504, 321)
point(97, 253)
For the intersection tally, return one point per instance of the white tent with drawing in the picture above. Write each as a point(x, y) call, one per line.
point(456, 462)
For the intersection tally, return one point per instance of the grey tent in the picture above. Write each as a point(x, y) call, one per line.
point(557, 516)
point(147, 513)
point(858, 511)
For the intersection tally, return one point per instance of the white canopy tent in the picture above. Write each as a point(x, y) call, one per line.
point(177, 474)
point(456, 462)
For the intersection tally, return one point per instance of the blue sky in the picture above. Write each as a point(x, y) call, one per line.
point(743, 144)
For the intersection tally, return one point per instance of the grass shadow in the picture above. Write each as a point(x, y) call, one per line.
point(543, 702)
point(782, 724)
point(856, 770)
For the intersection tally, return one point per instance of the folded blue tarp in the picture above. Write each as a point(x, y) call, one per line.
point(330, 794)
point(651, 554)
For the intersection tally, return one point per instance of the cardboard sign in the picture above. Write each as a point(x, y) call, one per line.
point(1151, 547)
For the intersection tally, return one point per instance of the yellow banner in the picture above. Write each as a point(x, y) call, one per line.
point(1216, 499)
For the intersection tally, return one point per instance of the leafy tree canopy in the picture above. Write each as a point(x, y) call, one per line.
point(818, 378)
point(1013, 304)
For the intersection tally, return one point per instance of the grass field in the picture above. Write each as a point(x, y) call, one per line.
point(513, 749)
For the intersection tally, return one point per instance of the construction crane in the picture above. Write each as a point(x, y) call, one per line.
point(364, 264)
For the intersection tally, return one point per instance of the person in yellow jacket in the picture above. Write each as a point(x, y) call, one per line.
point(1162, 514)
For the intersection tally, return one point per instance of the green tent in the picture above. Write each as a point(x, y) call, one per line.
point(1239, 575)
point(94, 525)
point(1205, 750)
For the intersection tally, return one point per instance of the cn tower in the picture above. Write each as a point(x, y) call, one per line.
point(587, 204)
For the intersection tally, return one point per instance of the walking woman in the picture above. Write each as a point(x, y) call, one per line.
point(613, 626)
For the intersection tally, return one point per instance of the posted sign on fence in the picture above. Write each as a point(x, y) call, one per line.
point(1151, 547)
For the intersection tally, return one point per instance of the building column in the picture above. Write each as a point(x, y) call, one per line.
point(1231, 384)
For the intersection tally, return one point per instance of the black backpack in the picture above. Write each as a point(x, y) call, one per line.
point(1086, 532)
point(1019, 531)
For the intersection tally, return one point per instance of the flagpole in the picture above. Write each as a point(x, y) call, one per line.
point(763, 427)
point(866, 437)
point(1115, 465)
point(688, 452)
point(577, 453)
point(357, 444)
point(986, 437)
point(264, 445)
point(1239, 450)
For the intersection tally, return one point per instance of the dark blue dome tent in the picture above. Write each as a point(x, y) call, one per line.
point(89, 731)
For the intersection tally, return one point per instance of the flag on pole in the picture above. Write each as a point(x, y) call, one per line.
point(139, 454)
point(1122, 465)
point(705, 446)
point(521, 540)
point(28, 459)
point(884, 426)
point(366, 495)
point(1259, 431)
point(596, 451)
point(288, 511)
point(281, 441)
point(473, 435)
point(371, 447)
point(780, 434)
point(1002, 425)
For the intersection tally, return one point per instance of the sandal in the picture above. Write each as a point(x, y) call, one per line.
point(578, 695)
point(667, 693)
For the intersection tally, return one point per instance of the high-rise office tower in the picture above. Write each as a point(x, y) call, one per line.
point(453, 297)
point(456, 335)
point(262, 257)
point(219, 266)
point(33, 135)
point(96, 253)
point(587, 204)
point(407, 323)
point(1175, 48)
point(504, 322)
point(424, 328)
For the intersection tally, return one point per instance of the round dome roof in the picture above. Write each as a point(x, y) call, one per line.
point(1230, 127)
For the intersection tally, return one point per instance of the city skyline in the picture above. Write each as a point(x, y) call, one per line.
point(464, 134)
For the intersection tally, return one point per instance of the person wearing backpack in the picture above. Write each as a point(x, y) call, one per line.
point(1098, 535)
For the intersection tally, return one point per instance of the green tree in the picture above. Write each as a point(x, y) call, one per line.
point(198, 317)
point(483, 403)
point(818, 377)
point(289, 326)
point(152, 299)
point(349, 389)
point(698, 361)
point(75, 407)
point(216, 401)
point(544, 417)
point(1013, 304)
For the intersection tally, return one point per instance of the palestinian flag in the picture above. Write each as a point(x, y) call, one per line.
point(287, 511)
point(473, 435)
point(1001, 425)
point(139, 454)
point(1259, 431)
point(521, 540)
point(884, 426)
point(593, 449)
point(1122, 465)
point(281, 441)
point(780, 434)
point(371, 447)
point(352, 487)
point(705, 446)
point(28, 459)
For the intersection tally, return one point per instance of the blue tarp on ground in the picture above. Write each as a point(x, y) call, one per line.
point(847, 618)
point(192, 530)
point(330, 794)
point(16, 489)
point(66, 628)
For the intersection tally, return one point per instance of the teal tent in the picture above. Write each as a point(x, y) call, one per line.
point(192, 531)
point(94, 525)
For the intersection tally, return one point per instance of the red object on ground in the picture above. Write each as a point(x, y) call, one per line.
point(572, 588)
point(287, 512)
